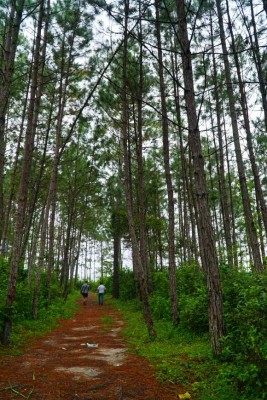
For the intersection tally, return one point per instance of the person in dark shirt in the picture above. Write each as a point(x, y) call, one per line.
point(84, 292)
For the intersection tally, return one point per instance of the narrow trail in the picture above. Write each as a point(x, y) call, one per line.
point(60, 365)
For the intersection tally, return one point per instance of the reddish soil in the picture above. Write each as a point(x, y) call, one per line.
point(60, 365)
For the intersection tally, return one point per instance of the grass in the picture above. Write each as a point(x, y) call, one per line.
point(108, 323)
point(179, 357)
point(25, 331)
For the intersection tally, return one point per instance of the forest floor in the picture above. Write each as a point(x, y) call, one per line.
point(85, 358)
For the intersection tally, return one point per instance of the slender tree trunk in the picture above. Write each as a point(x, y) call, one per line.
point(243, 101)
point(139, 148)
point(66, 63)
point(24, 185)
point(168, 177)
point(32, 247)
point(222, 187)
point(7, 214)
point(37, 184)
point(7, 69)
point(7, 62)
point(255, 47)
point(116, 263)
point(264, 6)
point(250, 224)
point(39, 268)
point(209, 260)
point(67, 247)
point(184, 197)
point(125, 138)
point(231, 200)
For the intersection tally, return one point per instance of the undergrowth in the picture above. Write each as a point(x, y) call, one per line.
point(183, 355)
point(179, 357)
point(25, 330)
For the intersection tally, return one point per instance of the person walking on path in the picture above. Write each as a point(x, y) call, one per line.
point(101, 290)
point(84, 292)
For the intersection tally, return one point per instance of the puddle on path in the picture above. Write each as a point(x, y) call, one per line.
point(79, 372)
point(85, 328)
point(75, 337)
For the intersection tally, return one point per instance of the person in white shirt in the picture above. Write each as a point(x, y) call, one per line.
point(101, 290)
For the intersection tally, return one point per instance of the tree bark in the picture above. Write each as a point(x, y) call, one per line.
point(139, 150)
point(24, 184)
point(250, 224)
point(168, 177)
point(7, 69)
point(222, 187)
point(209, 256)
point(132, 229)
point(243, 101)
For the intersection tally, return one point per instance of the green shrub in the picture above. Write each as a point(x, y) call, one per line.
point(161, 284)
point(245, 345)
point(189, 279)
point(194, 311)
point(127, 285)
point(160, 307)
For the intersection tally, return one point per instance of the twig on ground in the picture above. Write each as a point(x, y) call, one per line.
point(8, 387)
point(12, 388)
point(31, 392)
point(121, 394)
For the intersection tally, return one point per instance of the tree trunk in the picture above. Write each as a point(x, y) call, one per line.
point(255, 48)
point(11, 197)
point(7, 61)
point(39, 267)
point(132, 229)
point(168, 177)
point(116, 265)
point(187, 242)
point(231, 200)
point(24, 184)
point(250, 224)
point(139, 149)
point(243, 101)
point(209, 256)
point(222, 182)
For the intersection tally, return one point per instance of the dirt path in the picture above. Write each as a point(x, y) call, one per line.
point(61, 366)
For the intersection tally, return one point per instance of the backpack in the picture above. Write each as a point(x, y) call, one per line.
point(84, 288)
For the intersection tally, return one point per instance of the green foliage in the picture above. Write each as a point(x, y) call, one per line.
point(161, 283)
point(194, 316)
point(179, 356)
point(160, 307)
point(184, 354)
point(245, 345)
point(127, 285)
point(50, 310)
point(191, 294)
point(24, 330)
